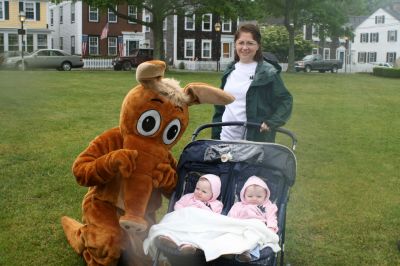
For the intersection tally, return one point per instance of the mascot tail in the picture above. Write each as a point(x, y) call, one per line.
point(71, 229)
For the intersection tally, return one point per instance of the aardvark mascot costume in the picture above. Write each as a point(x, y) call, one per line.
point(128, 167)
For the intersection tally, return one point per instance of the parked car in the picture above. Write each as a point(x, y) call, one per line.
point(127, 62)
point(46, 58)
point(315, 62)
point(389, 65)
point(5, 55)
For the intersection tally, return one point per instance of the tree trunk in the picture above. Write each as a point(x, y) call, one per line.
point(290, 30)
point(158, 39)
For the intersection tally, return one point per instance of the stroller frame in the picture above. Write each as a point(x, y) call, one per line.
point(253, 152)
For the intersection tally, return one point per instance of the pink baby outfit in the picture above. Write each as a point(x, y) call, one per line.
point(267, 212)
point(213, 204)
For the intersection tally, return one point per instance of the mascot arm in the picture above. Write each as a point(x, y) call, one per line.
point(103, 160)
point(165, 176)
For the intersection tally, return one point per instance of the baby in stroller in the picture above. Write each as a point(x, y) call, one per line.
point(205, 195)
point(210, 233)
point(255, 204)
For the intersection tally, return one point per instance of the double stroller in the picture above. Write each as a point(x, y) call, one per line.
point(234, 162)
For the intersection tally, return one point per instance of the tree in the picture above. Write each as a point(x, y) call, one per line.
point(329, 16)
point(161, 9)
point(275, 39)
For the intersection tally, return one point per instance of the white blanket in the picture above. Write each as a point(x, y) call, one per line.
point(214, 233)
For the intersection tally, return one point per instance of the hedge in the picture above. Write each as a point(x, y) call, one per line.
point(386, 72)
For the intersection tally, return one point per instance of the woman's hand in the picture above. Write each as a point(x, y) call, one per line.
point(264, 127)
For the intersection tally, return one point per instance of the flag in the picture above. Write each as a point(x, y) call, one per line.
point(84, 43)
point(121, 46)
point(104, 32)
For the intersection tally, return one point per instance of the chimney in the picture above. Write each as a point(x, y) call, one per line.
point(396, 6)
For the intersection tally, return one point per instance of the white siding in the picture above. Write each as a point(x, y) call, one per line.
point(382, 47)
point(66, 29)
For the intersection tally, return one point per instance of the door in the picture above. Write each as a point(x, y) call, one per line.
point(131, 46)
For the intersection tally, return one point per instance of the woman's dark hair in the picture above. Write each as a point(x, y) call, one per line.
point(255, 32)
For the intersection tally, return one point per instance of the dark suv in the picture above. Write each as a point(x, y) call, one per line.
point(127, 62)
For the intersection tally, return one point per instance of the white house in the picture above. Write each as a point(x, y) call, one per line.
point(65, 22)
point(376, 39)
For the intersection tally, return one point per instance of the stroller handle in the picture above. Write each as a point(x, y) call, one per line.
point(245, 124)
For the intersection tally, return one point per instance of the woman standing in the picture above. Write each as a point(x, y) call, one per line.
point(261, 96)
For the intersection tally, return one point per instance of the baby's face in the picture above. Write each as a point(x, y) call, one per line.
point(255, 195)
point(203, 190)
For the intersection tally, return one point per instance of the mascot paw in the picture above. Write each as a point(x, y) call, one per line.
point(133, 223)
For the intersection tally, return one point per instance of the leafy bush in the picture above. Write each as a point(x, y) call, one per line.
point(386, 72)
point(275, 39)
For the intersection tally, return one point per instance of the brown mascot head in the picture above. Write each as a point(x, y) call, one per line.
point(155, 113)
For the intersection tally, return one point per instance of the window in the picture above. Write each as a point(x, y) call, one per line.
point(362, 57)
point(29, 43)
point(72, 44)
point(132, 12)
point(374, 37)
point(42, 41)
point(61, 15)
point(314, 50)
point(13, 42)
point(61, 44)
point(30, 10)
point(2, 10)
point(93, 45)
point(392, 36)
point(226, 25)
point(147, 19)
point(1, 42)
point(93, 14)
point(205, 48)
point(380, 19)
point(111, 16)
point(72, 12)
point(189, 48)
point(206, 24)
point(327, 53)
point(364, 37)
point(391, 57)
point(189, 22)
point(51, 17)
point(112, 45)
point(372, 57)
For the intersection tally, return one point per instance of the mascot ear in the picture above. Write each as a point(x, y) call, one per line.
point(200, 93)
point(150, 71)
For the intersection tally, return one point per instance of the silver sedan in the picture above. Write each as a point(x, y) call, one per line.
point(45, 58)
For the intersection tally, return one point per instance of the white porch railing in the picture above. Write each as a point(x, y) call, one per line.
point(97, 63)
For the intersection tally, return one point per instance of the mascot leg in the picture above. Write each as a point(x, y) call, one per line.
point(71, 229)
point(137, 192)
point(99, 239)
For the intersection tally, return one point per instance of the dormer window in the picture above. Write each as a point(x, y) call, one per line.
point(380, 19)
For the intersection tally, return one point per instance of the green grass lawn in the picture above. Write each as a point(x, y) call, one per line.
point(344, 208)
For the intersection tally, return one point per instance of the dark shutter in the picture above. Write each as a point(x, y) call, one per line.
point(6, 11)
point(38, 11)
point(21, 6)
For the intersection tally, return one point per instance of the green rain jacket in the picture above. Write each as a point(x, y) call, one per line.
point(267, 100)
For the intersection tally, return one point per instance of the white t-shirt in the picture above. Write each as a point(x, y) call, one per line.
point(237, 83)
